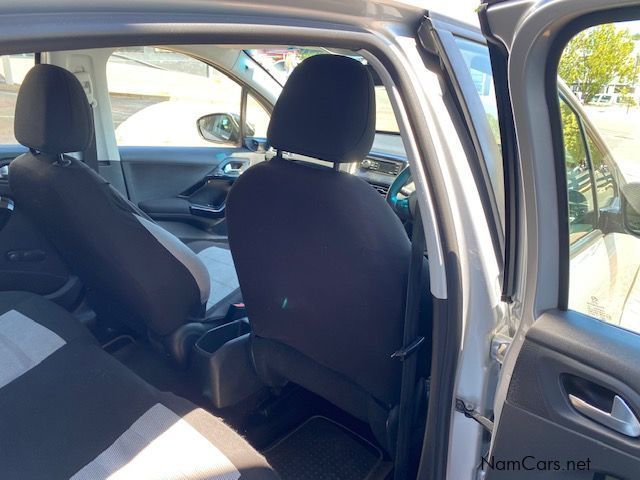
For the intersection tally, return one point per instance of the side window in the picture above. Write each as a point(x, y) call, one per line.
point(476, 57)
point(580, 195)
point(257, 118)
point(599, 88)
point(478, 63)
point(13, 68)
point(157, 97)
point(606, 187)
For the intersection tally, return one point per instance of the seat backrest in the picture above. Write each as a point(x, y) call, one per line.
point(321, 258)
point(135, 270)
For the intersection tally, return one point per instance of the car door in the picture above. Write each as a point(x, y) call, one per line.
point(184, 132)
point(568, 400)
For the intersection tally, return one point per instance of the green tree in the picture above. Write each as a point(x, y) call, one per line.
point(596, 57)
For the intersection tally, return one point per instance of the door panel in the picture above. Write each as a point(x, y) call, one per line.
point(187, 185)
point(163, 172)
point(27, 260)
point(568, 403)
point(567, 353)
point(7, 153)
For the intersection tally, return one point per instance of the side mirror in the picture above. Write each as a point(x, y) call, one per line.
point(631, 206)
point(219, 127)
point(258, 145)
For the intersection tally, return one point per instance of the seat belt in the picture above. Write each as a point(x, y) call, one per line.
point(90, 155)
point(411, 346)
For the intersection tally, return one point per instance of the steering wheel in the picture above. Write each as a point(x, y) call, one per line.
point(402, 206)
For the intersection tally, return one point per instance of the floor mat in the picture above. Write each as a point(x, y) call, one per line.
point(321, 449)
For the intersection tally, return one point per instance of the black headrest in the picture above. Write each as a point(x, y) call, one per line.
point(326, 110)
point(52, 112)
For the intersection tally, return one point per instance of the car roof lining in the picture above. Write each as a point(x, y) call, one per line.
point(88, 31)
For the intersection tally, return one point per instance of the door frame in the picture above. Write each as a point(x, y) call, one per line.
point(527, 42)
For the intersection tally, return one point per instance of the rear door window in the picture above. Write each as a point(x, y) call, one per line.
point(580, 190)
point(599, 118)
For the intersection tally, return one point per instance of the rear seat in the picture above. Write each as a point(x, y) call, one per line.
point(70, 410)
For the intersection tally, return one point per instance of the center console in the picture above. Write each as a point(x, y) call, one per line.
point(223, 366)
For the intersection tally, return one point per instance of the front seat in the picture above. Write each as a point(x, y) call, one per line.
point(136, 272)
point(321, 258)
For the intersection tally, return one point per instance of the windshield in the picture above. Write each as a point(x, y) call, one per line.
point(279, 62)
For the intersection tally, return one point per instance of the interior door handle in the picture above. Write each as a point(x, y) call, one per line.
point(621, 418)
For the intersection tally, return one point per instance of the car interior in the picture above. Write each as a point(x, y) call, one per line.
point(234, 309)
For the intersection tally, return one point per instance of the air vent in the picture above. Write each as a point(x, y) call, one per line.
point(382, 189)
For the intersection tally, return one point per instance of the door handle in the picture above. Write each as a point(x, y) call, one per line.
point(621, 418)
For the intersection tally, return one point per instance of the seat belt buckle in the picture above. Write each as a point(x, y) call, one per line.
point(236, 311)
point(409, 350)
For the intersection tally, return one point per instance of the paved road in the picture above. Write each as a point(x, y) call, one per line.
point(620, 129)
point(122, 107)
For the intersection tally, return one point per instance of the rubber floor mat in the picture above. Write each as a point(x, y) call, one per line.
point(321, 449)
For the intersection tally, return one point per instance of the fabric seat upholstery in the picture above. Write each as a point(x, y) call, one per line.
point(321, 258)
point(136, 272)
point(47, 314)
point(82, 414)
point(225, 288)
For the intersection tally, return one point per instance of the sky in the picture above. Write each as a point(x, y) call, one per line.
point(634, 27)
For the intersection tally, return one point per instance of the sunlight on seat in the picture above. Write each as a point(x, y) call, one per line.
point(160, 446)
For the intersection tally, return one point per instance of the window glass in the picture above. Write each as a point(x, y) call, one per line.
point(280, 62)
point(13, 68)
point(257, 118)
point(157, 97)
point(606, 188)
point(476, 57)
point(598, 77)
point(478, 63)
point(579, 182)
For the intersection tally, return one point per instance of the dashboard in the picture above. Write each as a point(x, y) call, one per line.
point(380, 168)
point(383, 164)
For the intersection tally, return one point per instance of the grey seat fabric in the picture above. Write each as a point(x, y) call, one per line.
point(46, 313)
point(222, 274)
point(31, 329)
point(81, 414)
point(136, 272)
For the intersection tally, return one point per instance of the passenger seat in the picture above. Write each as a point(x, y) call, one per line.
point(136, 273)
point(70, 410)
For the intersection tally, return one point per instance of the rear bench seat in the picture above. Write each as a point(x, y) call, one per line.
point(70, 410)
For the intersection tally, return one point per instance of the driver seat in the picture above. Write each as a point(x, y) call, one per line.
point(322, 259)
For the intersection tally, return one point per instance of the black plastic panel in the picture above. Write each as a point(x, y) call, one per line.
point(163, 172)
point(566, 352)
point(44, 274)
